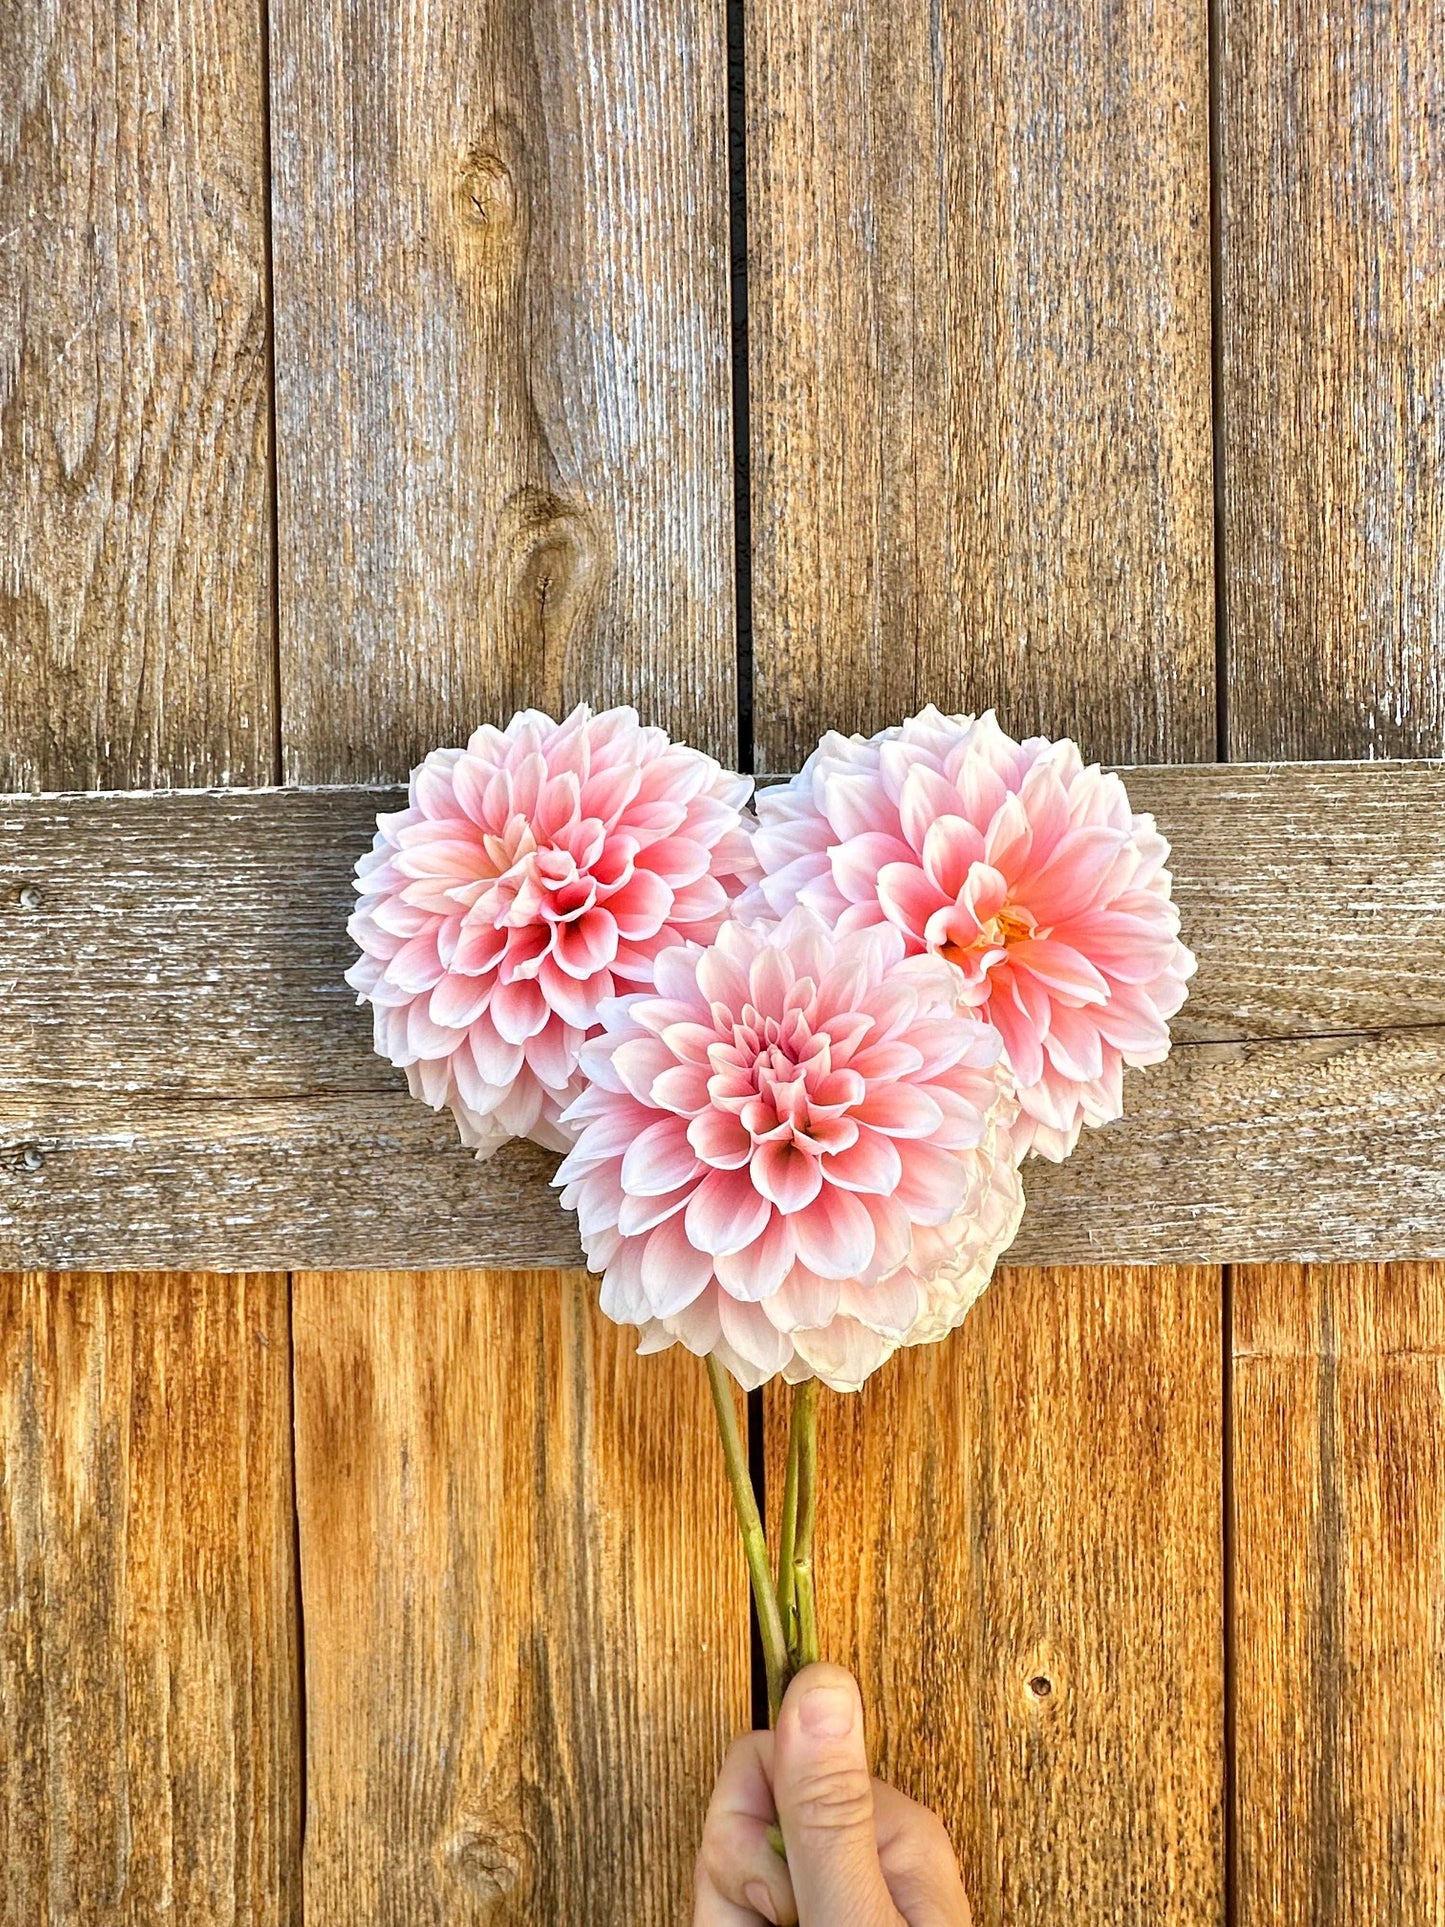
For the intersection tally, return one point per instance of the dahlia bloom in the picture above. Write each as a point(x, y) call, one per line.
point(532, 876)
point(1024, 869)
point(794, 1151)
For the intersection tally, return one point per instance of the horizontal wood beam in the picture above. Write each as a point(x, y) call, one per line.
point(185, 1080)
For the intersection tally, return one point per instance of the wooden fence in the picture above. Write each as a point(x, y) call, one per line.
point(369, 371)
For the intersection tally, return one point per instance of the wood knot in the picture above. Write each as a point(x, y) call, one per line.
point(545, 583)
point(484, 1860)
point(486, 193)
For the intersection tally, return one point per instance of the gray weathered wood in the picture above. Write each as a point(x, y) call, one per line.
point(1332, 231)
point(978, 323)
point(178, 1048)
point(504, 434)
point(135, 599)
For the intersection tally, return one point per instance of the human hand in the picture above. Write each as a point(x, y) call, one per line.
point(860, 1854)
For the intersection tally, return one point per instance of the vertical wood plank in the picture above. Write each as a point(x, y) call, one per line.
point(978, 305)
point(504, 453)
point(980, 324)
point(149, 1765)
point(1333, 244)
point(1332, 202)
point(149, 1715)
point(1019, 1555)
point(1339, 1410)
point(135, 601)
point(524, 1617)
point(502, 372)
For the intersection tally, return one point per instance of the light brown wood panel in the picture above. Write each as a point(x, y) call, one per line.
point(135, 600)
point(149, 1734)
point(1339, 1410)
point(502, 339)
point(1035, 1609)
point(504, 451)
point(1332, 202)
point(525, 1622)
point(978, 316)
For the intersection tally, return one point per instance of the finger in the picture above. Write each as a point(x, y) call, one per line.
point(825, 1802)
point(919, 1864)
point(737, 1855)
point(712, 1909)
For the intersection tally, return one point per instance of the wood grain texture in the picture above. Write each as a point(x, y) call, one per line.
point(1332, 219)
point(178, 1047)
point(524, 1608)
point(1339, 1409)
point(1327, 1148)
point(505, 443)
point(1019, 1555)
point(149, 1704)
point(149, 1739)
point(505, 477)
point(195, 944)
point(978, 316)
point(135, 598)
point(1332, 205)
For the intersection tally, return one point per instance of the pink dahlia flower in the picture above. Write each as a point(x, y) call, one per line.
point(794, 1151)
point(532, 875)
point(1024, 869)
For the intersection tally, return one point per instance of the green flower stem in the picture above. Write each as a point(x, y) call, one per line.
point(755, 1548)
point(804, 1441)
point(787, 1543)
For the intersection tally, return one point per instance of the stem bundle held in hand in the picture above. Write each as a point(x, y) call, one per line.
point(785, 1603)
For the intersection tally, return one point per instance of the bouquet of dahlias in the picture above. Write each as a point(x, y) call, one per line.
point(795, 1059)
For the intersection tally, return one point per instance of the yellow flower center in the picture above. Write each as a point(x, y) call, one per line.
point(1012, 924)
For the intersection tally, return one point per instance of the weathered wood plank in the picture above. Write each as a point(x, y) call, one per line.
point(980, 324)
point(1339, 1410)
point(149, 1743)
point(1332, 224)
point(1325, 1148)
point(522, 1584)
point(1332, 230)
point(502, 358)
point(179, 1048)
point(135, 606)
point(504, 450)
point(195, 944)
point(978, 320)
point(975, 1570)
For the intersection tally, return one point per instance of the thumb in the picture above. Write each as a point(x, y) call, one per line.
point(824, 1798)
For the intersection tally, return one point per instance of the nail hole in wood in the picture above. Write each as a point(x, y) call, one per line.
point(1040, 1686)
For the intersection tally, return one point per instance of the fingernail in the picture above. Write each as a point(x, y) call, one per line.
point(828, 1712)
point(760, 1900)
